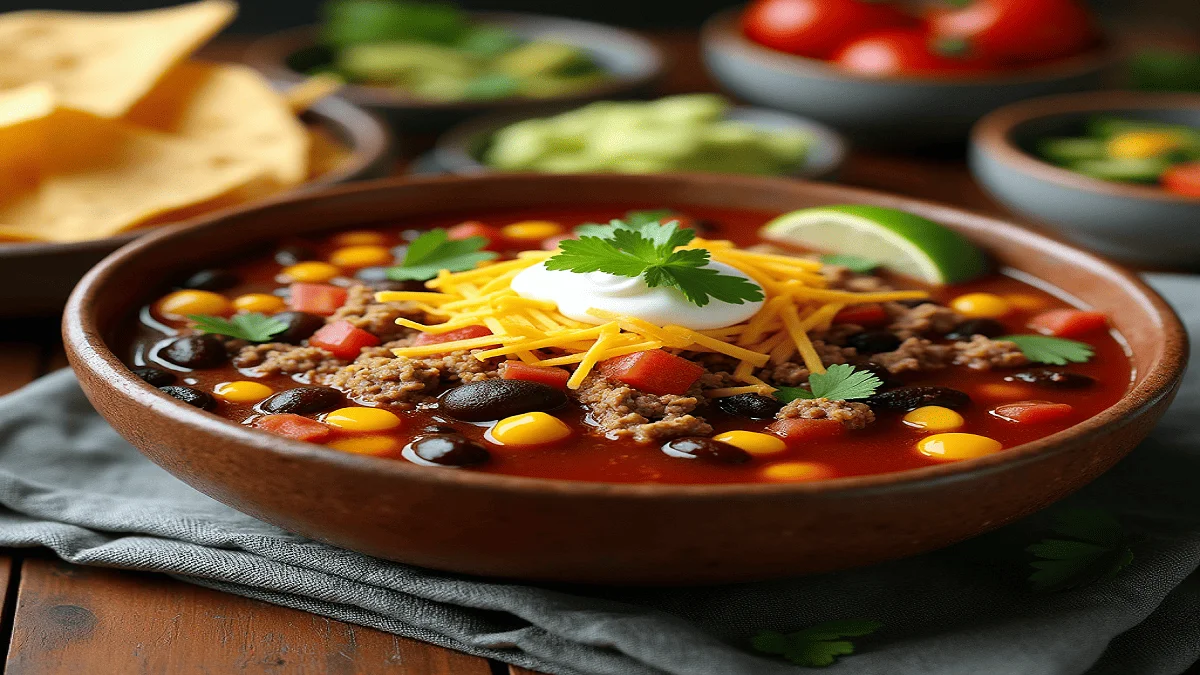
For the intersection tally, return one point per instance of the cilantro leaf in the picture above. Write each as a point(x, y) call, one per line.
point(638, 218)
point(434, 251)
point(593, 254)
point(816, 646)
point(252, 327)
point(1053, 350)
point(1093, 548)
point(840, 382)
point(854, 263)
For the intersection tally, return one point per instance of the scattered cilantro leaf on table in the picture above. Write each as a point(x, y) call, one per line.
point(1091, 546)
point(252, 327)
point(817, 646)
point(854, 263)
point(840, 382)
point(434, 251)
point(1053, 350)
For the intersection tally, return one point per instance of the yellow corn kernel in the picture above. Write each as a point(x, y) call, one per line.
point(362, 419)
point(362, 256)
point(360, 238)
point(753, 442)
point(179, 304)
point(934, 418)
point(797, 471)
point(1025, 301)
point(242, 391)
point(531, 230)
point(980, 306)
point(365, 445)
point(956, 446)
point(532, 428)
point(310, 272)
point(1142, 144)
point(263, 303)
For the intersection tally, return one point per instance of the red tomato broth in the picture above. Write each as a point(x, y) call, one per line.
point(886, 446)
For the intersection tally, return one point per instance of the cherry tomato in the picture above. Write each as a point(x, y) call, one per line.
point(888, 53)
point(1006, 32)
point(1183, 179)
point(816, 28)
point(1033, 412)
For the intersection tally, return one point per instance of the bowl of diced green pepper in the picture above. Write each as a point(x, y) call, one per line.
point(431, 64)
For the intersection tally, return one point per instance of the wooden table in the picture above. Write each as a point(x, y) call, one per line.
point(64, 619)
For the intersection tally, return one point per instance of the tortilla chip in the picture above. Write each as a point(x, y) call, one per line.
point(104, 63)
point(305, 95)
point(22, 111)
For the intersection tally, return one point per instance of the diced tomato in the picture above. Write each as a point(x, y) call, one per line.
point(869, 315)
point(1183, 179)
point(293, 426)
point(320, 299)
point(1033, 412)
point(342, 339)
point(551, 243)
point(460, 334)
point(795, 430)
point(474, 228)
point(653, 371)
point(1068, 323)
point(555, 377)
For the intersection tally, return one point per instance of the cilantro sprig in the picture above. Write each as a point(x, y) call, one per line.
point(817, 646)
point(1053, 350)
point(1091, 546)
point(252, 327)
point(854, 263)
point(839, 382)
point(434, 251)
point(648, 249)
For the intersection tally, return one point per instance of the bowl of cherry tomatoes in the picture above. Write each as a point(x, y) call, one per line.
point(886, 73)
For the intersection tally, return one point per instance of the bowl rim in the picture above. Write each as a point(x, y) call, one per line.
point(993, 135)
point(269, 54)
point(88, 350)
point(721, 31)
point(454, 145)
point(370, 144)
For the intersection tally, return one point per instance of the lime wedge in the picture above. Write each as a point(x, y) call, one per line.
point(902, 242)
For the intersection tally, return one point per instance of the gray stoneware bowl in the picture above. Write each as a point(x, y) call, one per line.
point(902, 111)
point(1135, 223)
point(460, 150)
point(633, 61)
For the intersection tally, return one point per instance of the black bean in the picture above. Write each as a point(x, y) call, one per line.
point(155, 377)
point(196, 351)
point(750, 406)
point(448, 450)
point(211, 280)
point(873, 342)
point(698, 447)
point(290, 255)
point(495, 399)
point(985, 327)
point(192, 397)
point(300, 326)
point(1052, 379)
point(918, 302)
point(302, 401)
point(904, 399)
point(706, 227)
point(883, 374)
point(376, 277)
point(438, 429)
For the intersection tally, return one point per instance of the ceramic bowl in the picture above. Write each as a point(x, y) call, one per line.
point(1136, 223)
point(634, 62)
point(548, 530)
point(36, 278)
point(901, 111)
point(460, 150)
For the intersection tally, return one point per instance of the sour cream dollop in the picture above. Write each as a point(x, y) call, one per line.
point(576, 293)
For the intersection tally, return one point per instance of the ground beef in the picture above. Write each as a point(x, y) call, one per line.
point(836, 334)
point(983, 353)
point(378, 378)
point(841, 278)
point(924, 319)
point(915, 355)
point(851, 415)
point(378, 318)
point(310, 365)
point(624, 412)
point(795, 373)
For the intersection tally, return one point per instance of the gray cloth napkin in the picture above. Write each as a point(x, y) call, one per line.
point(67, 481)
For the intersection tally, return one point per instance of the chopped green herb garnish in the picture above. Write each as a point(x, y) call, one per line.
point(648, 250)
point(817, 646)
point(854, 263)
point(1093, 547)
point(434, 251)
point(1053, 350)
point(252, 327)
point(840, 382)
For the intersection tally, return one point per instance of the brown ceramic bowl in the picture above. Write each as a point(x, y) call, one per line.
point(36, 278)
point(547, 530)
